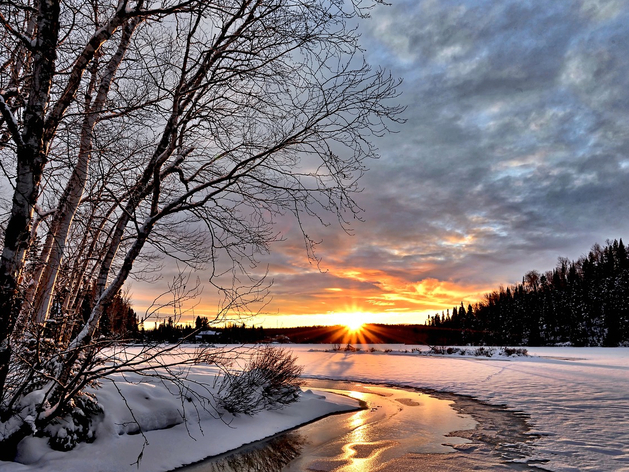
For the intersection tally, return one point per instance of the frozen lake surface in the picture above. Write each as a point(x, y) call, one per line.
point(577, 398)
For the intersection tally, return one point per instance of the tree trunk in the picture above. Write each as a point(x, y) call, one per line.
point(31, 159)
point(71, 197)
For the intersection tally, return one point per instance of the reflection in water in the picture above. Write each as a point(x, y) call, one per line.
point(396, 423)
point(400, 430)
point(267, 456)
point(360, 450)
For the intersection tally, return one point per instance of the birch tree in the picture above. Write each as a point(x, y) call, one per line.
point(125, 124)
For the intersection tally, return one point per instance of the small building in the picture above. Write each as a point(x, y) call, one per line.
point(206, 336)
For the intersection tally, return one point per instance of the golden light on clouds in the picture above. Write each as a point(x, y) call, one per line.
point(378, 298)
point(352, 299)
point(457, 239)
point(344, 294)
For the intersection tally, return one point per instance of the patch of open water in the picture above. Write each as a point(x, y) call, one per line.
point(399, 430)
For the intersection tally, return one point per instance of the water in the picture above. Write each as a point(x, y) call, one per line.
point(396, 423)
point(400, 430)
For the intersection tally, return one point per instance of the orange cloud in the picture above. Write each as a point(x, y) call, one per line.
point(387, 285)
point(378, 298)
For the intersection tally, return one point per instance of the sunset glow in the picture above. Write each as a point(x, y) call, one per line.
point(312, 298)
point(353, 321)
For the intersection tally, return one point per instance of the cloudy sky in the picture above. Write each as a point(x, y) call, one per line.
point(515, 152)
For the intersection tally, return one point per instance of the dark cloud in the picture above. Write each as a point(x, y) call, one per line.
point(516, 128)
point(516, 139)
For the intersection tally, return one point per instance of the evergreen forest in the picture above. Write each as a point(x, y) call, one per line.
point(580, 303)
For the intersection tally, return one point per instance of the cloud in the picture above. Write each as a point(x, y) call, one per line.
point(516, 119)
point(515, 152)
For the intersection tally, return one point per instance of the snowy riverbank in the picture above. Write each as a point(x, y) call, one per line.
point(170, 441)
point(577, 398)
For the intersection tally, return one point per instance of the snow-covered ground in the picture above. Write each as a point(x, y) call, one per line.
point(578, 400)
point(170, 441)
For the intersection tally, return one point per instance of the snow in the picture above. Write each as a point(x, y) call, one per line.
point(577, 399)
point(172, 442)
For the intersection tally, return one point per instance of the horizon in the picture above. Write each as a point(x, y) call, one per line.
point(513, 154)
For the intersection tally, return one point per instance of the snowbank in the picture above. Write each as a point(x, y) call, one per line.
point(578, 399)
point(176, 432)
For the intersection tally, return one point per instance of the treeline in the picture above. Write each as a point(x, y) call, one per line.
point(583, 303)
point(168, 331)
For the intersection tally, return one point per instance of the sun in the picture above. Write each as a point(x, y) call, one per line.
point(353, 321)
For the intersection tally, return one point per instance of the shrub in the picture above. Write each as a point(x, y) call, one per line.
point(76, 426)
point(483, 351)
point(514, 351)
point(437, 350)
point(270, 380)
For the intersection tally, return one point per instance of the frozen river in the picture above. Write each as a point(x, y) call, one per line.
point(563, 409)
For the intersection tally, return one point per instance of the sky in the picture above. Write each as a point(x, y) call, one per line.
point(514, 153)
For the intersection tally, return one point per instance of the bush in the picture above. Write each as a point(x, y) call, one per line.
point(484, 351)
point(270, 380)
point(437, 350)
point(514, 351)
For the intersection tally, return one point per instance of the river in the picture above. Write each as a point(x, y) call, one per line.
point(401, 430)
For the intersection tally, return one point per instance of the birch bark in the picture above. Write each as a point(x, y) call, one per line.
point(71, 197)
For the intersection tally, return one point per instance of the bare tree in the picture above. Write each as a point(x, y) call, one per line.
point(192, 124)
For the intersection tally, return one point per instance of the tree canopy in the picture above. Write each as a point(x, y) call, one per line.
point(583, 303)
point(136, 129)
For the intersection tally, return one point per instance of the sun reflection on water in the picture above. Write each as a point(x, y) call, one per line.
point(395, 423)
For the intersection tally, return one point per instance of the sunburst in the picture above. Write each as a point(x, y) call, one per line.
point(353, 321)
